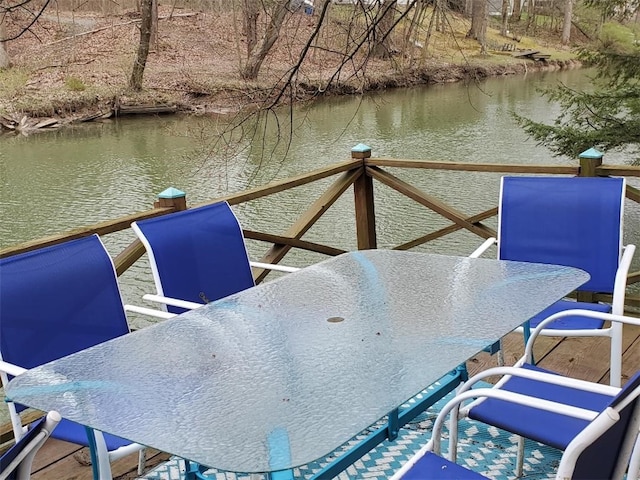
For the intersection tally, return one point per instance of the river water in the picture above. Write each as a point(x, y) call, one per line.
point(54, 181)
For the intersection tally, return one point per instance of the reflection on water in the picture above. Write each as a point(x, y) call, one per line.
point(55, 181)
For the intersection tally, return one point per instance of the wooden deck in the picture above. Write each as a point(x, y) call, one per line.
point(584, 358)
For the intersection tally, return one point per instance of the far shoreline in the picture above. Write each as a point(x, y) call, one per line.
point(223, 102)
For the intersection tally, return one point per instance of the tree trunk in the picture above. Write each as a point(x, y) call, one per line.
point(517, 10)
point(408, 41)
point(566, 25)
point(504, 26)
point(441, 24)
point(382, 47)
point(531, 16)
point(250, 23)
point(427, 38)
point(259, 52)
point(4, 56)
point(478, 29)
point(153, 42)
point(468, 8)
point(135, 82)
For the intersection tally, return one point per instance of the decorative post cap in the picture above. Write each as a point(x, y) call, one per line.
point(361, 151)
point(171, 192)
point(591, 154)
point(171, 198)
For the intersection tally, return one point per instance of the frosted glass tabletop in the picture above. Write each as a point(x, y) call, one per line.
point(282, 374)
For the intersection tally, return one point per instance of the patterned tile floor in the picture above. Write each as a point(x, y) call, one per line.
point(484, 449)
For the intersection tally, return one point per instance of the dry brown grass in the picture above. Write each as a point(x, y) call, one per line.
point(196, 62)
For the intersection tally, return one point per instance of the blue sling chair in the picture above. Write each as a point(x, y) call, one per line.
point(573, 221)
point(56, 301)
point(15, 463)
point(197, 256)
point(595, 425)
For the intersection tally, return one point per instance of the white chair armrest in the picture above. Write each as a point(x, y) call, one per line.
point(528, 351)
point(507, 372)
point(483, 248)
point(11, 369)
point(174, 302)
point(148, 311)
point(434, 445)
point(271, 266)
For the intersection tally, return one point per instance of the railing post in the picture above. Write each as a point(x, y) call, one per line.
point(363, 192)
point(171, 197)
point(590, 160)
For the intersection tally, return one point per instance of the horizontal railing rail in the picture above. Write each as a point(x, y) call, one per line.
point(357, 174)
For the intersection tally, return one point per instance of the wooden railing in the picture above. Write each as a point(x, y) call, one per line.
point(359, 172)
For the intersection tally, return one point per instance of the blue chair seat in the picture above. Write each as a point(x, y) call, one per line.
point(433, 466)
point(75, 433)
point(572, 322)
point(542, 426)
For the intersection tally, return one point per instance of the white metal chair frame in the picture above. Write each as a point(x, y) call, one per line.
point(165, 301)
point(600, 422)
point(21, 464)
point(464, 390)
point(614, 331)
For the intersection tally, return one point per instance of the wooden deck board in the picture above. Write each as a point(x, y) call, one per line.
point(585, 358)
point(63, 460)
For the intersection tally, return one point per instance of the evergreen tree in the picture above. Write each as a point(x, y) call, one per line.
point(608, 117)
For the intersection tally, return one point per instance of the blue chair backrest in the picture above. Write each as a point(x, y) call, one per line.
point(199, 254)
point(599, 459)
point(573, 221)
point(58, 300)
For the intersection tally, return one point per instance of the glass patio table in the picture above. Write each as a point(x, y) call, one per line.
point(284, 373)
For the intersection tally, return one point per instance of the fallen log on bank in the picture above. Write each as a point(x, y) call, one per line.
point(120, 110)
point(26, 125)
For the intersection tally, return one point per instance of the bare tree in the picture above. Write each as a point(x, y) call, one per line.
point(427, 38)
point(385, 20)
point(135, 82)
point(531, 15)
point(517, 10)
point(7, 8)
point(478, 30)
point(504, 12)
point(4, 55)
point(566, 25)
point(153, 42)
point(261, 49)
point(33, 9)
point(416, 20)
point(251, 12)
